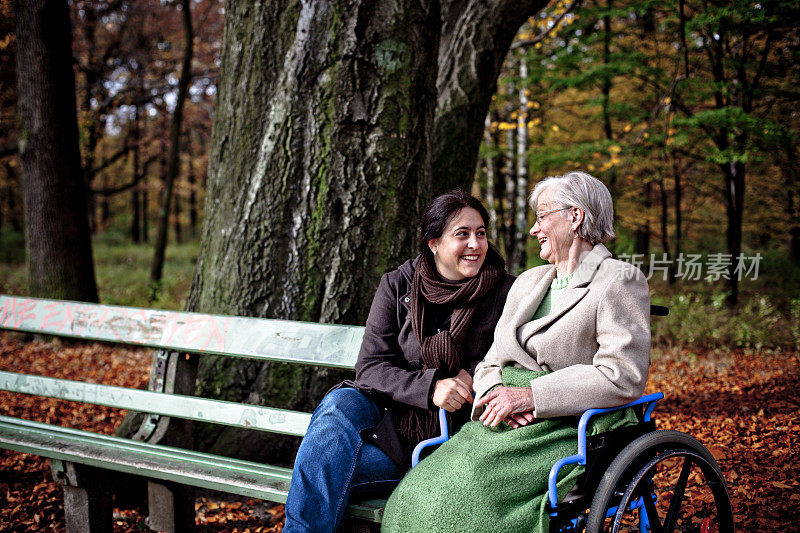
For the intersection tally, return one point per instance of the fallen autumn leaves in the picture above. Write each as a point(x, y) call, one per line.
point(745, 407)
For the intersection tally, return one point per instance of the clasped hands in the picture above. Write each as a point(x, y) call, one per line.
point(514, 405)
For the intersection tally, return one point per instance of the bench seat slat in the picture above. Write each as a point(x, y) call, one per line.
point(188, 467)
point(330, 345)
point(60, 439)
point(189, 407)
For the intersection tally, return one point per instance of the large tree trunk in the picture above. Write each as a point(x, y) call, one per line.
point(59, 250)
point(476, 36)
point(319, 167)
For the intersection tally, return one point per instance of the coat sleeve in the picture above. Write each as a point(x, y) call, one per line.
point(381, 364)
point(620, 365)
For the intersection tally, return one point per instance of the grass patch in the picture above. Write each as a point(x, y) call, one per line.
point(767, 317)
point(768, 314)
point(122, 271)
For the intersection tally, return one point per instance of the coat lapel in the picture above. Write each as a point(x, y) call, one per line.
point(573, 294)
point(530, 305)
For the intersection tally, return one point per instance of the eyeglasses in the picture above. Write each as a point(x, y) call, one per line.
point(541, 214)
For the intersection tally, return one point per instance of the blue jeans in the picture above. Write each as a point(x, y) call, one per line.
point(333, 461)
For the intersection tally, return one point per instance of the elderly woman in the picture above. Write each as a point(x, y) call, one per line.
point(430, 324)
point(573, 335)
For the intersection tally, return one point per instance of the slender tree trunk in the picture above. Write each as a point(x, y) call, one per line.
point(145, 212)
point(734, 173)
point(193, 216)
point(91, 134)
point(676, 173)
point(175, 144)
point(662, 190)
point(606, 79)
point(521, 220)
point(510, 197)
point(136, 200)
point(791, 187)
point(59, 250)
point(641, 235)
point(176, 216)
point(488, 139)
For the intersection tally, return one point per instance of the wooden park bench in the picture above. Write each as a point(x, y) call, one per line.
point(87, 464)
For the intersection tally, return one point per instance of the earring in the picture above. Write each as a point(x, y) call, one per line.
point(435, 252)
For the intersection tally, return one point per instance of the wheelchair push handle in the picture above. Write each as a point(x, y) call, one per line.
point(444, 435)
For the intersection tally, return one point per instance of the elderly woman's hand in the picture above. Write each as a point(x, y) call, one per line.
point(507, 403)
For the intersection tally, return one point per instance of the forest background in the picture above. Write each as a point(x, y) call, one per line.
point(686, 109)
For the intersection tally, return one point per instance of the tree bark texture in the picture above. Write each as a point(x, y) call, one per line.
point(58, 246)
point(476, 36)
point(318, 170)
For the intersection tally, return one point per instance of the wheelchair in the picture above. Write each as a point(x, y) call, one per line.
point(635, 479)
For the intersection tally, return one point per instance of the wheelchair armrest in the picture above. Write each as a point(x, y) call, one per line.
point(580, 457)
point(445, 435)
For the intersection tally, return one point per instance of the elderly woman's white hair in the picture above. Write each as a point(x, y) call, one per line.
point(584, 191)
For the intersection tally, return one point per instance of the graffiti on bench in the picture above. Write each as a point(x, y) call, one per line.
point(320, 344)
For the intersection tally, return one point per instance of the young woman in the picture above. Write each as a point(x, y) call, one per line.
point(430, 324)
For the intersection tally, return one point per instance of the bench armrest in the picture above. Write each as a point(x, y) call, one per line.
point(580, 457)
point(444, 435)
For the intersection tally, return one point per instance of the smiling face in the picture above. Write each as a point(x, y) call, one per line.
point(552, 231)
point(461, 250)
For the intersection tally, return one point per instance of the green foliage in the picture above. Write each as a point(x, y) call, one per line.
point(699, 318)
point(767, 317)
point(122, 270)
point(123, 274)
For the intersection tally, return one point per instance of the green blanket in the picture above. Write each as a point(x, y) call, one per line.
point(492, 479)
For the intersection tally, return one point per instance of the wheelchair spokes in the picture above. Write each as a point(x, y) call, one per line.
point(665, 481)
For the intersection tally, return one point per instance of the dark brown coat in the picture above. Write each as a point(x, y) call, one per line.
point(389, 366)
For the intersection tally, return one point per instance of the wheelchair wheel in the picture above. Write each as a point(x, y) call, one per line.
point(664, 481)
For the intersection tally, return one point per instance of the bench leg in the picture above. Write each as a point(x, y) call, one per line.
point(87, 510)
point(171, 507)
point(88, 506)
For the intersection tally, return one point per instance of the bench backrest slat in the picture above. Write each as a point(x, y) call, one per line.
point(189, 407)
point(328, 345)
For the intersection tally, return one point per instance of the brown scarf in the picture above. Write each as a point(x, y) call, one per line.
point(443, 350)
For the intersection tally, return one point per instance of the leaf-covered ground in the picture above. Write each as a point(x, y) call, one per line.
point(744, 406)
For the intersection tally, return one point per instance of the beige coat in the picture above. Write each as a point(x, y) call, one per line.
point(596, 339)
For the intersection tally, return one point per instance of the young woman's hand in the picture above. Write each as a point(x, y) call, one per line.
point(504, 403)
point(452, 393)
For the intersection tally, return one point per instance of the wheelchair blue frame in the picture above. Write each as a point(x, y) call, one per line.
point(579, 458)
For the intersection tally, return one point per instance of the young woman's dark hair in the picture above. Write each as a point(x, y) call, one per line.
point(441, 212)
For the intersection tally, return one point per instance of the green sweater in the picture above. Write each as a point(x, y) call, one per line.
point(551, 297)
